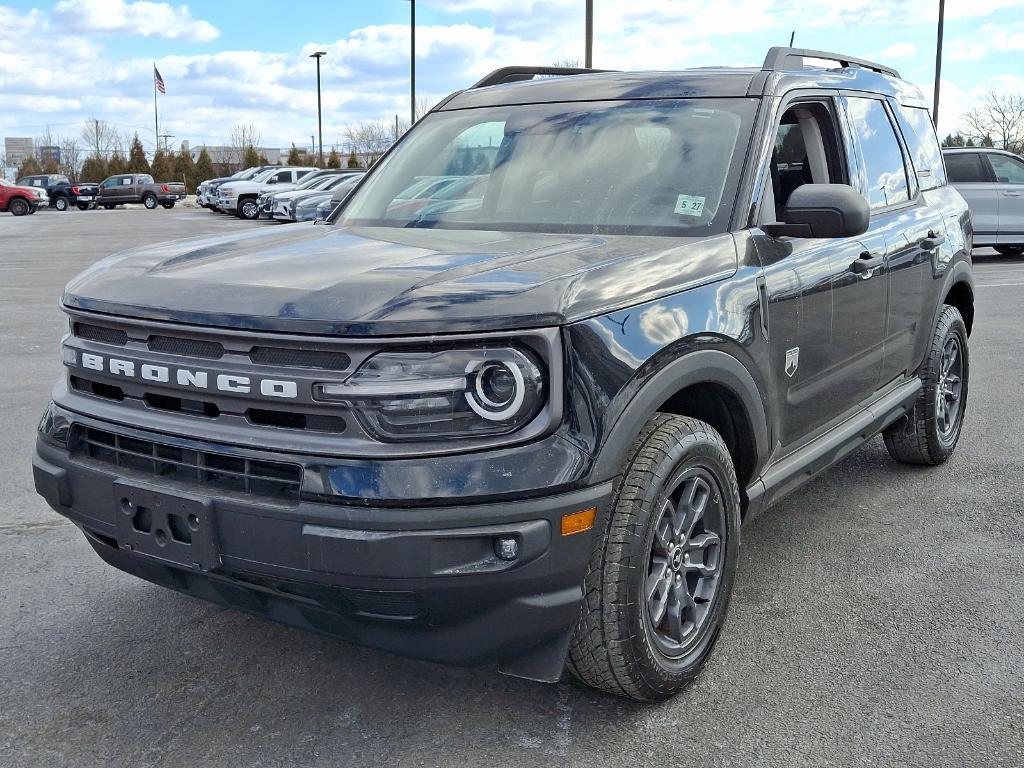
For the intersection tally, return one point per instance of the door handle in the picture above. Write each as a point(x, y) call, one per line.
point(1012, 194)
point(866, 265)
point(933, 241)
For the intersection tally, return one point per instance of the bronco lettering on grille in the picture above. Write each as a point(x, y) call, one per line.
point(189, 378)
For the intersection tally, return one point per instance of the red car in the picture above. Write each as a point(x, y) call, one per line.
point(19, 200)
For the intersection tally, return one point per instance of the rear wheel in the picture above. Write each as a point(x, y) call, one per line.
point(19, 207)
point(109, 207)
point(168, 206)
point(660, 576)
point(1009, 250)
point(83, 206)
point(60, 203)
point(930, 432)
point(150, 202)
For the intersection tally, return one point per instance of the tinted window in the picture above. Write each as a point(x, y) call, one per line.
point(1009, 170)
point(284, 176)
point(966, 167)
point(924, 148)
point(880, 150)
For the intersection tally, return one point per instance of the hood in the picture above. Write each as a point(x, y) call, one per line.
point(387, 281)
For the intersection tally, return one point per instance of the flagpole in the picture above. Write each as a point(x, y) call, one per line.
point(156, 119)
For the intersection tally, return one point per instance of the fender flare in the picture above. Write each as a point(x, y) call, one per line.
point(704, 366)
point(959, 272)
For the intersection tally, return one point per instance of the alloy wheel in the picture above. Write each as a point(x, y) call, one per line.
point(686, 560)
point(949, 390)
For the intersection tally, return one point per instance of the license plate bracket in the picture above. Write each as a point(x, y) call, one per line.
point(178, 528)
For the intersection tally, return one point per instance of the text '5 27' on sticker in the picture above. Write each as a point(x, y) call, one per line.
point(689, 205)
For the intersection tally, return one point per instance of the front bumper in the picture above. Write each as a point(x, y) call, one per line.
point(421, 580)
point(227, 203)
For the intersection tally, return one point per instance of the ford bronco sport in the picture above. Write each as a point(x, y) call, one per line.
point(523, 425)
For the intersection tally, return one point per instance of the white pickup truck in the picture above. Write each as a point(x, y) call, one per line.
point(240, 197)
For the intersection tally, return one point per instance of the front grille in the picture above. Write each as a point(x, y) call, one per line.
point(101, 334)
point(175, 345)
point(300, 358)
point(257, 477)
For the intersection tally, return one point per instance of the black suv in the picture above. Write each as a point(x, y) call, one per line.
point(522, 420)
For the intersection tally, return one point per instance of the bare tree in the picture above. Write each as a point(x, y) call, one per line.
point(370, 138)
point(70, 157)
point(567, 62)
point(243, 138)
point(1000, 117)
point(98, 136)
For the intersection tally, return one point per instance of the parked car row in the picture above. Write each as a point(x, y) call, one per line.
point(54, 190)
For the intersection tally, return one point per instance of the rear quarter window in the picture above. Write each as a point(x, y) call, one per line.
point(966, 168)
point(924, 147)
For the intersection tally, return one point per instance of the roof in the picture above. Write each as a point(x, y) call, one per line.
point(704, 82)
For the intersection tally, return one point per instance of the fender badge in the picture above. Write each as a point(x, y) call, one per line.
point(792, 361)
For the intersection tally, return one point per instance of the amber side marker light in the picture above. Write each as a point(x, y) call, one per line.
point(578, 522)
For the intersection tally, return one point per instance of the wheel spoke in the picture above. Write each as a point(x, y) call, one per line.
point(681, 611)
point(696, 501)
point(953, 387)
point(664, 530)
point(703, 543)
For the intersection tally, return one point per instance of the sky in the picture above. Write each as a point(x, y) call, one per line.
point(228, 62)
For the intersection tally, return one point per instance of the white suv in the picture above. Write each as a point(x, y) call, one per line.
point(239, 197)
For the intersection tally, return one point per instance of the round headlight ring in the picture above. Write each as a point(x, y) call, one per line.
point(482, 405)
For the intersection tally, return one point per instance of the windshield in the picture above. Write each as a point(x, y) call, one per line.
point(318, 182)
point(613, 167)
point(264, 175)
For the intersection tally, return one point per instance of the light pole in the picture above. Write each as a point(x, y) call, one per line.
point(319, 122)
point(938, 63)
point(412, 62)
point(588, 55)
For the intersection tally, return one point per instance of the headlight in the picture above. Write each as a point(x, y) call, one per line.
point(455, 393)
point(226, 190)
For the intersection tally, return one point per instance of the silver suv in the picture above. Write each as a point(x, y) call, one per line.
point(992, 182)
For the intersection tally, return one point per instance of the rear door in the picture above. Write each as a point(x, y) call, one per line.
point(973, 178)
point(1008, 171)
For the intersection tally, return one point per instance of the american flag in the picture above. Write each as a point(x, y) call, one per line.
point(158, 80)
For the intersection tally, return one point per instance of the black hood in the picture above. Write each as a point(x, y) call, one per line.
point(385, 281)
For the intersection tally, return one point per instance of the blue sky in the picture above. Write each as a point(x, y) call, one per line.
point(227, 63)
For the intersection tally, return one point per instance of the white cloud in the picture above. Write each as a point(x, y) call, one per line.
point(898, 51)
point(133, 18)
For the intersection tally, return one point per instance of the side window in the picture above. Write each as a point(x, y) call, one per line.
point(300, 174)
point(284, 176)
point(806, 151)
point(924, 147)
point(880, 152)
point(966, 167)
point(126, 181)
point(1008, 170)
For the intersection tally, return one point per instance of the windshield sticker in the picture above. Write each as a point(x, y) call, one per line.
point(689, 205)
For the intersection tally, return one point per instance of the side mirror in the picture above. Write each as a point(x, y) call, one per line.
point(822, 210)
point(272, 180)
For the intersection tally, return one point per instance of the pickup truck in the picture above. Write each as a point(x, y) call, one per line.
point(63, 194)
point(139, 188)
point(20, 200)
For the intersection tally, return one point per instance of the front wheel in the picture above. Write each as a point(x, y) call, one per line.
point(930, 432)
point(83, 206)
point(248, 209)
point(1009, 250)
point(19, 207)
point(661, 572)
point(150, 202)
point(168, 206)
point(61, 203)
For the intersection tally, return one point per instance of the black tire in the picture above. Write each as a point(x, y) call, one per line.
point(930, 432)
point(61, 203)
point(617, 646)
point(19, 207)
point(248, 209)
point(150, 202)
point(1009, 250)
point(168, 206)
point(83, 206)
point(109, 207)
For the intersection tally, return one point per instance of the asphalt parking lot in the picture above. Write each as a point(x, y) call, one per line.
point(878, 618)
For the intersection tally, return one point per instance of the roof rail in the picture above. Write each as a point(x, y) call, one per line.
point(780, 58)
point(516, 74)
